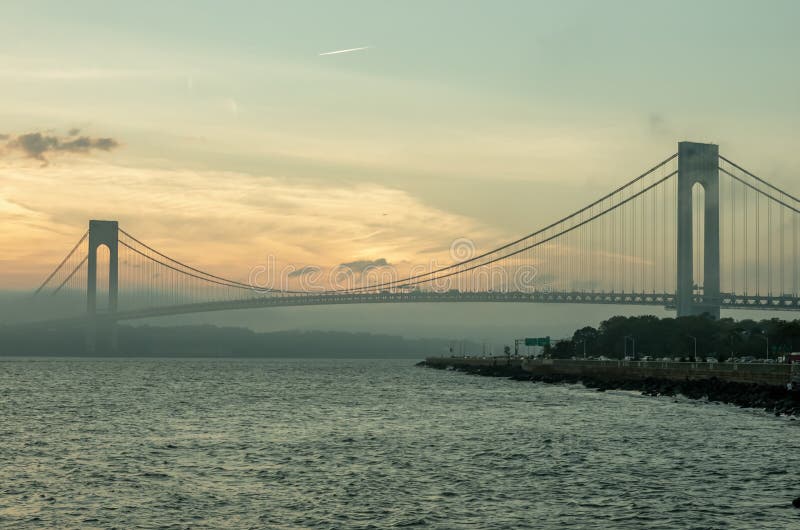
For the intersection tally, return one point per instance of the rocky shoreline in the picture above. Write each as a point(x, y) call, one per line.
point(773, 399)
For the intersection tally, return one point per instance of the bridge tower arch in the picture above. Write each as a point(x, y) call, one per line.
point(698, 164)
point(102, 326)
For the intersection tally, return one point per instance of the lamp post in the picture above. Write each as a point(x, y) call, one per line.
point(741, 334)
point(766, 338)
point(695, 347)
point(633, 344)
point(584, 347)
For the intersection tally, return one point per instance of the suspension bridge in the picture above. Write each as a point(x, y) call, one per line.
point(695, 233)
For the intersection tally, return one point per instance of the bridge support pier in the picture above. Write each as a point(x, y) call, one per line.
point(698, 164)
point(103, 327)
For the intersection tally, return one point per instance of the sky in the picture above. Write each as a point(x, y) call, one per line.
point(220, 133)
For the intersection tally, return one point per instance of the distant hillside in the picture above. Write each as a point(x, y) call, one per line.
point(215, 341)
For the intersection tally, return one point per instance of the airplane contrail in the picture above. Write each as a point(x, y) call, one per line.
point(346, 51)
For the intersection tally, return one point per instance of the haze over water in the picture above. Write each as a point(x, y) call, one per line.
point(372, 444)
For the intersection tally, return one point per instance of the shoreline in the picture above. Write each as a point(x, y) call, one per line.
point(770, 398)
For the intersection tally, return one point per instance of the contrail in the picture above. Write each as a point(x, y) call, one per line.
point(346, 51)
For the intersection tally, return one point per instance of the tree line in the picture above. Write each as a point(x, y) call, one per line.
point(676, 337)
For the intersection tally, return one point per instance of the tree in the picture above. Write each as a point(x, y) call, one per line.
point(563, 349)
point(586, 337)
point(674, 337)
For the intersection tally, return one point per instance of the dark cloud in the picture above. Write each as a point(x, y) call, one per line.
point(74, 132)
point(34, 144)
point(363, 264)
point(106, 144)
point(658, 125)
point(302, 271)
point(37, 145)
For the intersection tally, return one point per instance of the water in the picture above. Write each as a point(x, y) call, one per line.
point(372, 444)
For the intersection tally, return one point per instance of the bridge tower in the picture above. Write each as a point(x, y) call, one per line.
point(102, 326)
point(698, 164)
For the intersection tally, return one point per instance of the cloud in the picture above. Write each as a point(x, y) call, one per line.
point(74, 132)
point(658, 125)
point(364, 264)
point(4, 137)
point(36, 145)
point(227, 224)
point(302, 271)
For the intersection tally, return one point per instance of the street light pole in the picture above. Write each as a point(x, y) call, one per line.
point(633, 345)
point(584, 347)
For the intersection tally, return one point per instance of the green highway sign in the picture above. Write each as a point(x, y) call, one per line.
point(537, 341)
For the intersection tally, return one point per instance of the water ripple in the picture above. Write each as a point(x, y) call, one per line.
point(372, 444)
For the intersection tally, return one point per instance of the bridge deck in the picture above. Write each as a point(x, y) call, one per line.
point(666, 300)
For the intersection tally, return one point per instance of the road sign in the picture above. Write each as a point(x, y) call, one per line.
point(537, 341)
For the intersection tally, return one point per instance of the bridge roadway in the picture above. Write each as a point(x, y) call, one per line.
point(666, 300)
point(329, 298)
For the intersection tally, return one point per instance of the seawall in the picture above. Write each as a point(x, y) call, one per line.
point(746, 385)
point(762, 374)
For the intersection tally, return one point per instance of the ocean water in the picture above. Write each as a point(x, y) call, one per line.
point(144, 443)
